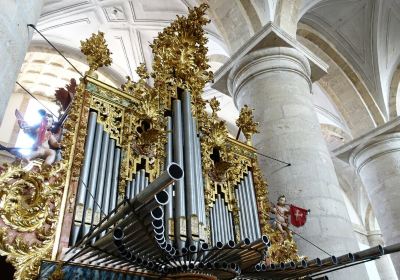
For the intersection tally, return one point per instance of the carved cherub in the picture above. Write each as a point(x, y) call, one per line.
point(281, 212)
point(45, 141)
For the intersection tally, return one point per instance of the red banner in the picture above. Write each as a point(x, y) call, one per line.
point(298, 216)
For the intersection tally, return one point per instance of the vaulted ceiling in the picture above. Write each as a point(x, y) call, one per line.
point(130, 27)
point(364, 33)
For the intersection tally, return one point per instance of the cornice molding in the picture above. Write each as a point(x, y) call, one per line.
point(268, 37)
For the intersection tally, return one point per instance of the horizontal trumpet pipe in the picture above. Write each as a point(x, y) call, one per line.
point(376, 251)
point(173, 172)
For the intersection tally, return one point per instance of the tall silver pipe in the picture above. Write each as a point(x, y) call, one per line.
point(132, 192)
point(253, 198)
point(202, 212)
point(146, 181)
point(197, 171)
point(212, 217)
point(215, 221)
point(84, 174)
point(218, 219)
point(238, 199)
point(142, 179)
point(128, 189)
point(94, 171)
point(115, 178)
point(190, 180)
point(97, 208)
point(108, 179)
point(249, 209)
point(179, 201)
point(224, 221)
point(244, 212)
point(231, 229)
point(137, 183)
point(169, 208)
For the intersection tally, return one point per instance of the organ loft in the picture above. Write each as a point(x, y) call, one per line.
point(146, 180)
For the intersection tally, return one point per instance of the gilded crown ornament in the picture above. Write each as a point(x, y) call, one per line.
point(96, 50)
point(180, 54)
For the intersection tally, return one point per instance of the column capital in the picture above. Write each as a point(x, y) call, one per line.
point(269, 36)
point(381, 140)
point(275, 59)
point(376, 147)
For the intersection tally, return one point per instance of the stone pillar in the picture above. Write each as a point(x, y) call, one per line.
point(15, 37)
point(276, 83)
point(383, 264)
point(378, 163)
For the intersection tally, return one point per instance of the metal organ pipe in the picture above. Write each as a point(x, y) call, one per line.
point(213, 229)
point(84, 174)
point(179, 201)
point(94, 170)
point(241, 223)
point(142, 180)
point(190, 180)
point(254, 203)
point(249, 220)
point(137, 182)
point(244, 211)
point(199, 176)
point(114, 179)
point(218, 219)
point(145, 198)
point(107, 189)
point(231, 229)
point(132, 193)
point(169, 208)
point(224, 220)
point(97, 208)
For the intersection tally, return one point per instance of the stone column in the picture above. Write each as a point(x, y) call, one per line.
point(383, 264)
point(15, 37)
point(378, 163)
point(276, 83)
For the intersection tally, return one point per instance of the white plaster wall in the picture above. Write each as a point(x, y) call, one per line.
point(14, 37)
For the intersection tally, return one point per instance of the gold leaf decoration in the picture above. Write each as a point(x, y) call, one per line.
point(96, 50)
point(30, 200)
point(180, 55)
point(246, 123)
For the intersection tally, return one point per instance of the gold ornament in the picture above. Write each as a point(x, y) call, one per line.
point(96, 50)
point(30, 201)
point(246, 123)
point(180, 55)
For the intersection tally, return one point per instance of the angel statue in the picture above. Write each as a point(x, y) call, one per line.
point(45, 141)
point(282, 213)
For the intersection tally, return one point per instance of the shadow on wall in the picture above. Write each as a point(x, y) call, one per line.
point(7, 270)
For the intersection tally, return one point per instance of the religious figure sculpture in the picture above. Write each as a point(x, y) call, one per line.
point(282, 213)
point(45, 141)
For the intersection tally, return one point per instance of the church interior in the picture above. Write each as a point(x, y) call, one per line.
point(200, 139)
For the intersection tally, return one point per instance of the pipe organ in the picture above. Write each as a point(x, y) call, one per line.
point(132, 137)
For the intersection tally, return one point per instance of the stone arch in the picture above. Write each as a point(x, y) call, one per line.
point(236, 20)
point(117, 76)
point(343, 85)
point(393, 94)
